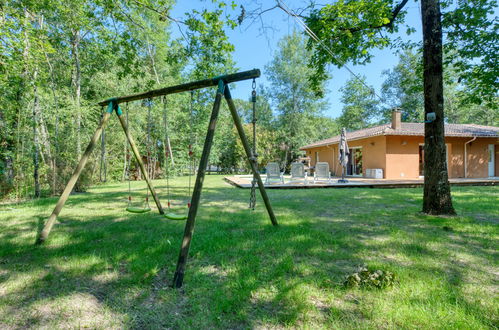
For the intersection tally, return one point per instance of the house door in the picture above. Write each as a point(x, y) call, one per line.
point(491, 159)
point(354, 166)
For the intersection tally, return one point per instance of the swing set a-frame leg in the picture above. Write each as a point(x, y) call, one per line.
point(249, 154)
point(178, 278)
point(196, 194)
point(42, 237)
point(72, 181)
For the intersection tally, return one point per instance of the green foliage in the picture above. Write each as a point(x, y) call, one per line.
point(472, 43)
point(361, 107)
point(208, 45)
point(403, 87)
point(108, 48)
point(350, 29)
point(267, 147)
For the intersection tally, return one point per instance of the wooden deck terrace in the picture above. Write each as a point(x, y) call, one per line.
point(244, 181)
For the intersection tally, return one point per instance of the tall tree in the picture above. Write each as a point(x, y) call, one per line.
point(209, 51)
point(39, 77)
point(292, 95)
point(472, 46)
point(437, 197)
point(403, 87)
point(361, 107)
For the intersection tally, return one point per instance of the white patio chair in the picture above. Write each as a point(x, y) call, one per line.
point(322, 172)
point(298, 173)
point(274, 173)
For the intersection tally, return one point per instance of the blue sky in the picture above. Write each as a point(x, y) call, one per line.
point(255, 48)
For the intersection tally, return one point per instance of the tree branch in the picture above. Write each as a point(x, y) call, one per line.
point(282, 6)
point(395, 13)
point(163, 14)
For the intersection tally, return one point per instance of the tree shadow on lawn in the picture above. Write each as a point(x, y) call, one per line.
point(242, 272)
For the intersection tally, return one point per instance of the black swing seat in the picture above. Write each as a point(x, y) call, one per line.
point(138, 209)
point(175, 216)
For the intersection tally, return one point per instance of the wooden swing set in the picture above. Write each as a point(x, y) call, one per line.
point(113, 106)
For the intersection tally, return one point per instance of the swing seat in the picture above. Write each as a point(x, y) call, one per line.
point(175, 216)
point(138, 209)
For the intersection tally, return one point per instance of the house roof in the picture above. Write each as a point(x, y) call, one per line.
point(413, 129)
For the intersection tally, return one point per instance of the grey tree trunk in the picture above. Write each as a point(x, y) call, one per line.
point(17, 164)
point(19, 172)
point(26, 76)
point(75, 44)
point(43, 135)
point(56, 125)
point(437, 196)
point(36, 145)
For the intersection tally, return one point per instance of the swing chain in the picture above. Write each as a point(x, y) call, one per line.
point(167, 151)
point(254, 156)
point(191, 151)
point(128, 159)
point(149, 169)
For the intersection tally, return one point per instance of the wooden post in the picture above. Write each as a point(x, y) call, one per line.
point(196, 193)
point(72, 181)
point(249, 154)
point(141, 164)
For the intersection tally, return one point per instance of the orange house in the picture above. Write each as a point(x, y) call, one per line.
point(396, 151)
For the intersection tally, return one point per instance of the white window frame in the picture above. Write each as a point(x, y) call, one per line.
point(491, 150)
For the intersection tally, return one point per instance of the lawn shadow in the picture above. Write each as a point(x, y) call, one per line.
point(242, 272)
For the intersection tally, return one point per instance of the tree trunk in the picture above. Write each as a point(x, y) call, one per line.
point(18, 163)
point(36, 145)
point(19, 172)
point(56, 125)
point(437, 196)
point(75, 44)
point(54, 159)
point(43, 138)
point(26, 76)
point(43, 135)
point(153, 62)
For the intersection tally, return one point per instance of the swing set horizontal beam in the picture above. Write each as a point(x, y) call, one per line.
point(230, 78)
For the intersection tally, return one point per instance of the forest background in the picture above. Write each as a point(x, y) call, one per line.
point(59, 58)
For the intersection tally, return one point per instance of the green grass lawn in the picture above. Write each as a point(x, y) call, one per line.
point(105, 268)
